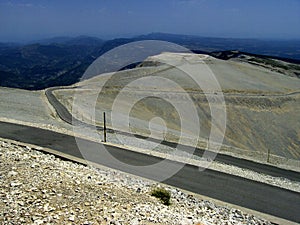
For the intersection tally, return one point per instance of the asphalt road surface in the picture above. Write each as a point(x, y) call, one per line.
point(65, 115)
point(232, 189)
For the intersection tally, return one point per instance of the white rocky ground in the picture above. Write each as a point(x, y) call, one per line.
point(38, 188)
point(31, 109)
point(261, 105)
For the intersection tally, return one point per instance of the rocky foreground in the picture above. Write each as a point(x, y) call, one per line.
point(37, 188)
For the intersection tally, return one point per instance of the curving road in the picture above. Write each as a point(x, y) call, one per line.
point(66, 116)
point(232, 189)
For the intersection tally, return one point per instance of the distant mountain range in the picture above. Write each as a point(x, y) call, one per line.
point(62, 60)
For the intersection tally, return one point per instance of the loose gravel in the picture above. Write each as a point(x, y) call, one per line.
point(38, 188)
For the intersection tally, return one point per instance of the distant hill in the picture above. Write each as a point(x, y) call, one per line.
point(279, 48)
point(286, 66)
point(38, 66)
point(80, 40)
point(54, 40)
point(62, 60)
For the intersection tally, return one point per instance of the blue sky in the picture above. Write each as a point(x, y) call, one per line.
point(31, 20)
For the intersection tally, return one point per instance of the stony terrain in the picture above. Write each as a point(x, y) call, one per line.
point(38, 188)
point(262, 105)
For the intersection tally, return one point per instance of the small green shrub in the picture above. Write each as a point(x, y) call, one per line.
point(162, 194)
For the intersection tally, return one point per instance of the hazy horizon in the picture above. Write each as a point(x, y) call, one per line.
point(112, 37)
point(256, 19)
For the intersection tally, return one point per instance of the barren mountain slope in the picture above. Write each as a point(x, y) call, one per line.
point(262, 105)
point(30, 108)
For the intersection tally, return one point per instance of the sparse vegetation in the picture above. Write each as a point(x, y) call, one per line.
point(162, 194)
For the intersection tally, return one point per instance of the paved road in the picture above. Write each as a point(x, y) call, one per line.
point(236, 190)
point(60, 109)
point(65, 115)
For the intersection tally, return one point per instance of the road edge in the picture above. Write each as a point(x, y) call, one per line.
point(74, 159)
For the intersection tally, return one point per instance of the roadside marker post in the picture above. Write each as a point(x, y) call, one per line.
point(104, 127)
point(268, 159)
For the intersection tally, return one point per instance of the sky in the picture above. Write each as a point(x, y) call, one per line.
point(26, 20)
